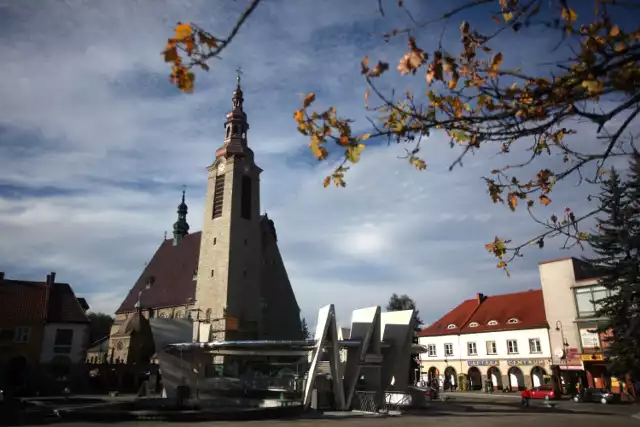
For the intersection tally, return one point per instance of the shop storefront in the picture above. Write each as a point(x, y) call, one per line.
point(568, 370)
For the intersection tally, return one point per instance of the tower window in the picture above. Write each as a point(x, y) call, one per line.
point(212, 273)
point(218, 196)
point(235, 129)
point(228, 131)
point(245, 205)
point(215, 240)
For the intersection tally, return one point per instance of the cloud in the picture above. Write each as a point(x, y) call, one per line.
point(96, 145)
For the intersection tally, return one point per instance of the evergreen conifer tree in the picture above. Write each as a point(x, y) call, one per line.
point(616, 264)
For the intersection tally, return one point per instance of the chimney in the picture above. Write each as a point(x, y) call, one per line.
point(481, 298)
point(53, 277)
point(1, 275)
point(48, 281)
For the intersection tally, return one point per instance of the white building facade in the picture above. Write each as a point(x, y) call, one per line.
point(502, 338)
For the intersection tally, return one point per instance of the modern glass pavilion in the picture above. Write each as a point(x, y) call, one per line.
point(373, 359)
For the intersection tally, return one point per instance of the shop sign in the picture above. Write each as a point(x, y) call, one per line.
point(589, 338)
point(572, 354)
point(525, 362)
point(590, 357)
point(487, 362)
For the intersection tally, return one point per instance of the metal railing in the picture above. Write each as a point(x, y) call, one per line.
point(365, 401)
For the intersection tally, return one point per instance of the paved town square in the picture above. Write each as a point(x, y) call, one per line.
point(467, 413)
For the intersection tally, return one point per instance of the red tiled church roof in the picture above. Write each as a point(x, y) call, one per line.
point(172, 269)
point(526, 307)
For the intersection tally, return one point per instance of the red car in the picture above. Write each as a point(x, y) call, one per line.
point(545, 392)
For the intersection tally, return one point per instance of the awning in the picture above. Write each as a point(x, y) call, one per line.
point(570, 368)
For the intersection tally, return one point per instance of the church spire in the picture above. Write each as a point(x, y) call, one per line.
point(236, 126)
point(181, 227)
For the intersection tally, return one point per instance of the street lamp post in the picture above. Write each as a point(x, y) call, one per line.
point(565, 346)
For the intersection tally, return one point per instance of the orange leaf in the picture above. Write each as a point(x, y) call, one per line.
point(326, 182)
point(366, 96)
point(308, 99)
point(615, 31)
point(298, 116)
point(365, 65)
point(170, 54)
point(544, 200)
point(344, 140)
point(495, 64)
point(513, 201)
point(182, 31)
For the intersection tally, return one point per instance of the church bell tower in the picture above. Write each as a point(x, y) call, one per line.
point(228, 278)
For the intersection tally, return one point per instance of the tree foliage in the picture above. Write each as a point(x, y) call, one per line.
point(100, 326)
point(404, 302)
point(305, 329)
point(477, 102)
point(616, 243)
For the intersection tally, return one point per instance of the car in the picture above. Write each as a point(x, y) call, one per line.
point(596, 395)
point(545, 392)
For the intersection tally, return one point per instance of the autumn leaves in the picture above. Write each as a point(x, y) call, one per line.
point(474, 98)
point(324, 127)
point(197, 45)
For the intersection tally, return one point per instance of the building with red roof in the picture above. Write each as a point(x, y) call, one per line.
point(42, 324)
point(501, 338)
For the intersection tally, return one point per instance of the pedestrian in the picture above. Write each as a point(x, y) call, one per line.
point(526, 397)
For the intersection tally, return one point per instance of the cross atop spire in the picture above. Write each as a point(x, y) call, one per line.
point(238, 74)
point(237, 94)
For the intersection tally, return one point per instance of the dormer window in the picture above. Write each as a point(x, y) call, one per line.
point(513, 320)
point(492, 322)
point(451, 326)
point(473, 324)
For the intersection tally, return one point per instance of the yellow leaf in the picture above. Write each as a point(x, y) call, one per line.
point(544, 200)
point(353, 152)
point(419, 163)
point(317, 150)
point(365, 137)
point(507, 16)
point(326, 182)
point(309, 99)
point(592, 86)
point(569, 14)
point(298, 116)
point(182, 31)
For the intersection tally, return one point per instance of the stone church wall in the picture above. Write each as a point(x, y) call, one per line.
point(282, 314)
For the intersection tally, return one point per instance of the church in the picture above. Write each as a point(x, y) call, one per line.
point(230, 274)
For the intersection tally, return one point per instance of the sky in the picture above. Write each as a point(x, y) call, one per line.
point(96, 146)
